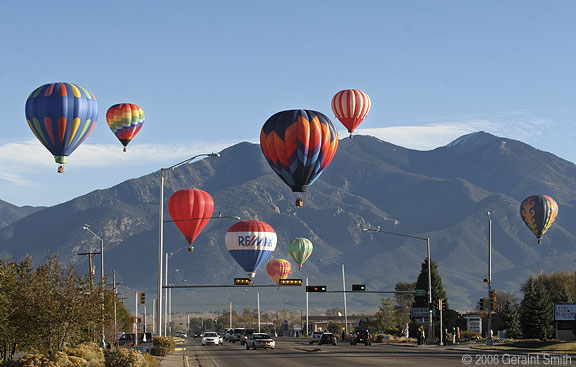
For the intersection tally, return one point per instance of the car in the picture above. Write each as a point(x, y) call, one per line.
point(228, 334)
point(260, 340)
point(246, 334)
point(237, 334)
point(181, 334)
point(221, 338)
point(361, 336)
point(315, 337)
point(327, 338)
point(127, 340)
point(210, 337)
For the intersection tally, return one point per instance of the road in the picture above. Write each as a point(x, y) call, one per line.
point(295, 352)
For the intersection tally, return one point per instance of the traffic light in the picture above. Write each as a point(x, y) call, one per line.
point(481, 304)
point(441, 304)
point(315, 288)
point(142, 298)
point(358, 287)
point(493, 299)
point(290, 282)
point(242, 281)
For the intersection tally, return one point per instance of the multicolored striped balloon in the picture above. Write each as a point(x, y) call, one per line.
point(351, 106)
point(538, 213)
point(299, 145)
point(300, 250)
point(61, 115)
point(125, 120)
point(278, 269)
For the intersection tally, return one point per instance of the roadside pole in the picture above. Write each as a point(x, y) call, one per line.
point(136, 320)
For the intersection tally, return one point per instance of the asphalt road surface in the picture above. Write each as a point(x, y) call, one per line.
point(297, 352)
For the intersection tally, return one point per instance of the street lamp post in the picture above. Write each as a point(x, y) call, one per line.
point(344, 293)
point(430, 340)
point(87, 227)
point(489, 340)
point(161, 231)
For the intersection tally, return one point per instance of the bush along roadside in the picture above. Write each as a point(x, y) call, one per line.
point(162, 346)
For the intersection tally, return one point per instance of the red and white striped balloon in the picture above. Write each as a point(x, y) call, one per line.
point(351, 107)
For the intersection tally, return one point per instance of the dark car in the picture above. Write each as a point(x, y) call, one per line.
point(327, 338)
point(127, 340)
point(361, 336)
point(247, 332)
point(237, 334)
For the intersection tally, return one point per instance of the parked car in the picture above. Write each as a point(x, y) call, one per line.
point(246, 334)
point(237, 335)
point(315, 337)
point(128, 340)
point(361, 336)
point(260, 340)
point(327, 338)
point(210, 337)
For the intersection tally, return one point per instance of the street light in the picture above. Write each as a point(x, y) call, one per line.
point(87, 227)
point(166, 312)
point(344, 293)
point(161, 231)
point(377, 229)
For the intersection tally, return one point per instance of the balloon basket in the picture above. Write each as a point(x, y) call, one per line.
point(351, 136)
point(299, 202)
point(60, 169)
point(124, 150)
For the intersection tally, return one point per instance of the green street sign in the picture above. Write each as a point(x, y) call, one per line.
point(420, 292)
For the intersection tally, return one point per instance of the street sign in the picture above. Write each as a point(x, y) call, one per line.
point(419, 312)
point(420, 292)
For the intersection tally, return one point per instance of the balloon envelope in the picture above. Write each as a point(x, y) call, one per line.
point(191, 210)
point(538, 213)
point(278, 269)
point(299, 145)
point(125, 120)
point(61, 115)
point(351, 107)
point(300, 250)
point(251, 243)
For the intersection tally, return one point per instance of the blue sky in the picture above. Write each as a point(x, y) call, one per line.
point(209, 73)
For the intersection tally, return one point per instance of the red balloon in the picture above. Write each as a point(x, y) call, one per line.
point(191, 210)
point(351, 107)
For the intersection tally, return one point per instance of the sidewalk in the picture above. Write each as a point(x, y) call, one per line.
point(177, 359)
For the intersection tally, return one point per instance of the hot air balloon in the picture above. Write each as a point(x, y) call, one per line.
point(61, 115)
point(299, 145)
point(278, 269)
point(251, 243)
point(125, 120)
point(538, 213)
point(300, 249)
point(351, 107)
point(191, 210)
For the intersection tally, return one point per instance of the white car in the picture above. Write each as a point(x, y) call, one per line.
point(210, 337)
point(260, 340)
point(181, 334)
point(220, 338)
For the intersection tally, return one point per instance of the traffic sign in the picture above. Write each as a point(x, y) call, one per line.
point(420, 292)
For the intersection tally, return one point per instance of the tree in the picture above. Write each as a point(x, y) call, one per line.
point(386, 319)
point(510, 319)
point(536, 310)
point(438, 291)
point(404, 301)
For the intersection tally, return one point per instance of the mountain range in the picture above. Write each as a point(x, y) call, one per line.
point(443, 194)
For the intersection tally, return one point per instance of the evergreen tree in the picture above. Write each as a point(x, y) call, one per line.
point(404, 301)
point(510, 319)
point(536, 310)
point(385, 319)
point(422, 283)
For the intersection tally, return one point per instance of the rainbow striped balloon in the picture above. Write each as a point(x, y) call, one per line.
point(125, 120)
point(61, 115)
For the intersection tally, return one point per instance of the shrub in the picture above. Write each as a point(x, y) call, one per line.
point(162, 346)
point(125, 358)
point(468, 335)
point(36, 360)
point(151, 361)
point(87, 351)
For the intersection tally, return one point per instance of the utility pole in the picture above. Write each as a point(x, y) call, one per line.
point(89, 254)
point(489, 340)
point(230, 314)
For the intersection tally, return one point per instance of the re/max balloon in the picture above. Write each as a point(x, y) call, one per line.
point(299, 145)
point(351, 106)
point(61, 115)
point(300, 250)
point(251, 243)
point(538, 213)
point(278, 269)
point(191, 210)
point(125, 120)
